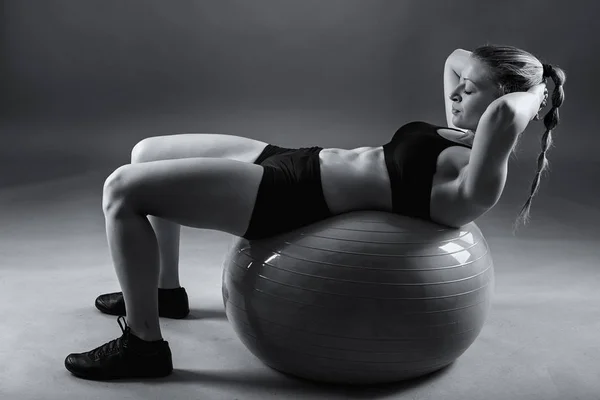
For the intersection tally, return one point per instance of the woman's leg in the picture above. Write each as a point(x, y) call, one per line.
point(206, 193)
point(179, 146)
point(168, 235)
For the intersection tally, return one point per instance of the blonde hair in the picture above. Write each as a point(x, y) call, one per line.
point(516, 70)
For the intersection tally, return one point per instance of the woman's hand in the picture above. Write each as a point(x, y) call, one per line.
point(541, 92)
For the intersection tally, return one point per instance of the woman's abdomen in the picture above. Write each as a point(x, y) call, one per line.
point(355, 179)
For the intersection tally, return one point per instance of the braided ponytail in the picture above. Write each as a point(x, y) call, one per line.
point(551, 120)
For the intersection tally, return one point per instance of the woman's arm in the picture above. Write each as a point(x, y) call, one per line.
point(485, 176)
point(525, 105)
point(497, 133)
point(453, 67)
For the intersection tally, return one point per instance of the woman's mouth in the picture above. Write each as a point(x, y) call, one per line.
point(455, 111)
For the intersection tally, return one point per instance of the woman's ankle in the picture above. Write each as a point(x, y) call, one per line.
point(168, 287)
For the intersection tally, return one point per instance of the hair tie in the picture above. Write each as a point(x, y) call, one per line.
point(547, 70)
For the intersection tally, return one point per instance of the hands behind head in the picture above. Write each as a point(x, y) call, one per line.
point(541, 91)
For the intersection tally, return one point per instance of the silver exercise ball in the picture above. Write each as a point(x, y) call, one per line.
point(360, 298)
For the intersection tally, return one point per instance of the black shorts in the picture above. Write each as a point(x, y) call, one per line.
point(290, 194)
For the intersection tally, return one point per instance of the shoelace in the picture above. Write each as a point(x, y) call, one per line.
point(114, 345)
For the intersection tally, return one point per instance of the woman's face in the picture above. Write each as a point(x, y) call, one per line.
point(472, 96)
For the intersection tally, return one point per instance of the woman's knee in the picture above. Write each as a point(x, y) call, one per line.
point(141, 151)
point(114, 187)
point(156, 148)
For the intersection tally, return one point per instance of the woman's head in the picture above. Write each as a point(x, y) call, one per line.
point(475, 91)
point(502, 70)
point(493, 71)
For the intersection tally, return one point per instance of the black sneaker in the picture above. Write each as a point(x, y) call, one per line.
point(124, 357)
point(172, 303)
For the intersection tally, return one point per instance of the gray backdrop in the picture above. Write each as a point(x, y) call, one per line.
point(83, 81)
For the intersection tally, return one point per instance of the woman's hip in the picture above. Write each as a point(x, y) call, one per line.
point(290, 193)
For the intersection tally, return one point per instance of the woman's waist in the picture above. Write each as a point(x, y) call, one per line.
point(354, 179)
point(363, 163)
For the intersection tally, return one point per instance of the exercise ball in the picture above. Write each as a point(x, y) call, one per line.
point(360, 298)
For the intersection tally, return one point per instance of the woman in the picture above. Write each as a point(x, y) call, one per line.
point(249, 188)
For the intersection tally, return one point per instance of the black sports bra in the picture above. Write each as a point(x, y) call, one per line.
point(411, 158)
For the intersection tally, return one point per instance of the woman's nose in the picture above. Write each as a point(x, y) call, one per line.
point(454, 97)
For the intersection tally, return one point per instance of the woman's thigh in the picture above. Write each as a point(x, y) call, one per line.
point(205, 193)
point(194, 145)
